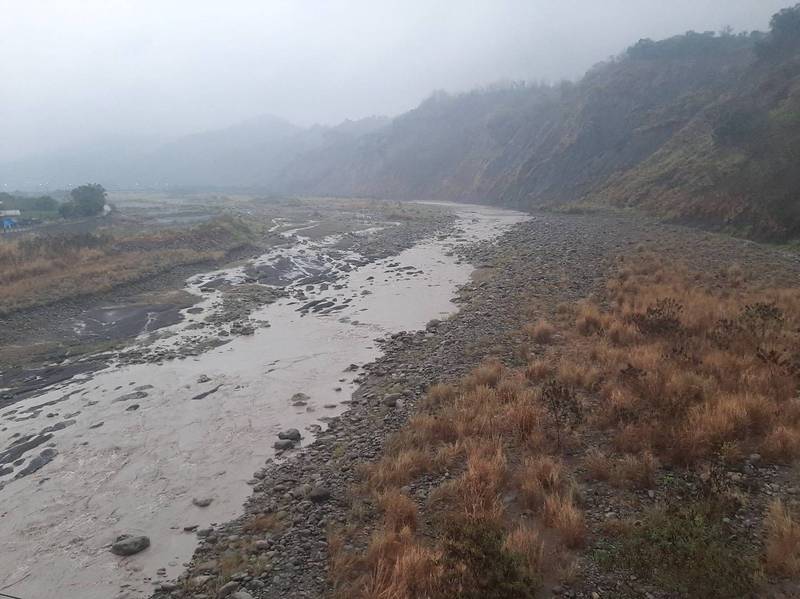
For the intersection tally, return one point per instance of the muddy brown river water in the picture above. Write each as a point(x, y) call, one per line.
point(127, 449)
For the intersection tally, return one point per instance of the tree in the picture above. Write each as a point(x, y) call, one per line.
point(86, 200)
point(784, 34)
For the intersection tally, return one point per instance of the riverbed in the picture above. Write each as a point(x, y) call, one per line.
point(129, 448)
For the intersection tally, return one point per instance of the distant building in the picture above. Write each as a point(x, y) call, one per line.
point(8, 223)
point(4, 213)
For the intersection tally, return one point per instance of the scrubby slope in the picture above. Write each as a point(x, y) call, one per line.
point(701, 127)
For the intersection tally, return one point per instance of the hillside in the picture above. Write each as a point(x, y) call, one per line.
point(702, 128)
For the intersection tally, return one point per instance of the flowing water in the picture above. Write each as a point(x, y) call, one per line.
point(205, 423)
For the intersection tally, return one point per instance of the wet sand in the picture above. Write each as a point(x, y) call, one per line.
point(125, 469)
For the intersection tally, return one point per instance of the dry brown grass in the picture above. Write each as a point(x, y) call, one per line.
point(399, 510)
point(395, 566)
point(486, 375)
point(38, 270)
point(783, 541)
point(526, 541)
point(477, 492)
point(539, 477)
point(687, 367)
point(589, 320)
point(651, 378)
point(637, 471)
point(541, 332)
point(538, 370)
point(598, 465)
point(439, 395)
point(263, 523)
point(399, 469)
point(561, 513)
point(488, 432)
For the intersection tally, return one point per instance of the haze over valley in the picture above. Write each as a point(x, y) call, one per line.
point(400, 300)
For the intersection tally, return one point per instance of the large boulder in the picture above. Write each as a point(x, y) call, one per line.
point(130, 544)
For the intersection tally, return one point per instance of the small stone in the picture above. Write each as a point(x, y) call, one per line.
point(241, 595)
point(202, 501)
point(391, 399)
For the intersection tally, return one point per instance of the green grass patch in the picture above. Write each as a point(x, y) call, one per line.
point(685, 550)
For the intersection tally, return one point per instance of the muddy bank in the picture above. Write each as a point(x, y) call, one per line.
point(278, 548)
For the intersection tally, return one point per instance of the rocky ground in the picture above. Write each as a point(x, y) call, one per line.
point(278, 548)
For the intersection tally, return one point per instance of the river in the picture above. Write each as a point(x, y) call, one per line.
point(202, 425)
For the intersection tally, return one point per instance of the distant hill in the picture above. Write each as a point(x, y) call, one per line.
point(701, 128)
point(248, 154)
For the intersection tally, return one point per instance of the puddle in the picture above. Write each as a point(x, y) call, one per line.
point(144, 440)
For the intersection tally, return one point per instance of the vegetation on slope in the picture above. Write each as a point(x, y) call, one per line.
point(701, 127)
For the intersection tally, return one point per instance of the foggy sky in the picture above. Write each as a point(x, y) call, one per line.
point(76, 70)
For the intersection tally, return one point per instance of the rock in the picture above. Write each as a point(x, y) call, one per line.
point(241, 595)
point(292, 434)
point(202, 501)
point(132, 408)
point(284, 444)
point(203, 378)
point(227, 589)
point(319, 494)
point(391, 399)
point(130, 544)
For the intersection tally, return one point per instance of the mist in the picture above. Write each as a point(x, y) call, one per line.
point(75, 72)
